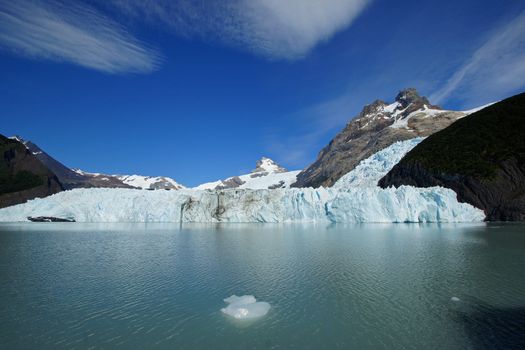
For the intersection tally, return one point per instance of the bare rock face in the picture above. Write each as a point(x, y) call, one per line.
point(377, 126)
point(22, 175)
point(481, 158)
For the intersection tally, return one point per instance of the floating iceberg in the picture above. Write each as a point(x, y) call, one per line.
point(245, 307)
point(355, 198)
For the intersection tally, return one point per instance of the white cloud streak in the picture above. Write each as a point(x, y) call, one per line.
point(276, 29)
point(496, 69)
point(75, 33)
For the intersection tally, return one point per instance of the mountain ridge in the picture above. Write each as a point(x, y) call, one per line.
point(376, 127)
point(22, 175)
point(76, 178)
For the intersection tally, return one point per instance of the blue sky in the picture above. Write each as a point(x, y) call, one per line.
point(199, 90)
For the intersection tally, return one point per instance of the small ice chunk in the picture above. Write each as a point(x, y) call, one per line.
point(455, 299)
point(245, 307)
point(245, 299)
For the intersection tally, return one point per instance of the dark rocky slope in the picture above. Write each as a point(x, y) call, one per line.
point(22, 175)
point(481, 157)
point(69, 178)
point(377, 126)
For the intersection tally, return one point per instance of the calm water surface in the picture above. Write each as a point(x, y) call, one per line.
point(362, 287)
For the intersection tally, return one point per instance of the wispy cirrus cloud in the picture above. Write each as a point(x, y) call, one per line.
point(314, 123)
point(72, 32)
point(275, 29)
point(495, 69)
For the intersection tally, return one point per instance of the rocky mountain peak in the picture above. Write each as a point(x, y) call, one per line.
point(373, 108)
point(377, 126)
point(268, 165)
point(19, 139)
point(410, 97)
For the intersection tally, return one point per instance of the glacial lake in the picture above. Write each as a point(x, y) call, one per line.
point(142, 286)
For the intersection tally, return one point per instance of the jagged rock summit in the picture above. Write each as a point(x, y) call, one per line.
point(411, 98)
point(377, 126)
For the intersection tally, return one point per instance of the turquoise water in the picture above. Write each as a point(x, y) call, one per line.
point(160, 286)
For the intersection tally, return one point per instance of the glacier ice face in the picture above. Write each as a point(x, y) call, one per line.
point(355, 198)
point(367, 204)
point(245, 307)
point(369, 171)
point(128, 205)
point(402, 204)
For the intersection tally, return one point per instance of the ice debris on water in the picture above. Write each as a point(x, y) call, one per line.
point(245, 307)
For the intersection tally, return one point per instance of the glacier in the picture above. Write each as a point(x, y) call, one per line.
point(355, 198)
point(369, 171)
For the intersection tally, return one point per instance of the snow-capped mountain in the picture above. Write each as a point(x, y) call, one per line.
point(266, 175)
point(136, 181)
point(76, 178)
point(264, 195)
point(150, 182)
point(379, 125)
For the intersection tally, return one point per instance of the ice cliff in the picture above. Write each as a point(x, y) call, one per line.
point(354, 198)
